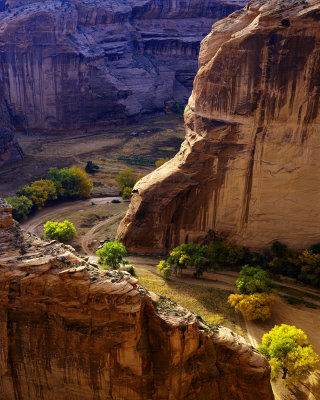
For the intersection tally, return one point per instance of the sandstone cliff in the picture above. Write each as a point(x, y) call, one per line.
point(71, 332)
point(83, 64)
point(9, 148)
point(249, 169)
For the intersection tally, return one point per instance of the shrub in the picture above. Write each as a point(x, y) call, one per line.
point(131, 270)
point(164, 269)
point(91, 167)
point(161, 161)
point(315, 248)
point(289, 353)
point(126, 178)
point(253, 280)
point(279, 249)
point(310, 267)
point(252, 306)
point(39, 192)
point(21, 206)
point(111, 254)
point(126, 193)
point(61, 231)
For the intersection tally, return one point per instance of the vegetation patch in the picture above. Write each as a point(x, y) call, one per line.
point(210, 303)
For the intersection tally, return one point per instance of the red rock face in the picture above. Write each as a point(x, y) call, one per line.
point(71, 332)
point(248, 170)
point(9, 148)
point(77, 64)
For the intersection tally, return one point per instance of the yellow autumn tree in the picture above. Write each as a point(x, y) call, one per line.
point(289, 353)
point(84, 182)
point(252, 306)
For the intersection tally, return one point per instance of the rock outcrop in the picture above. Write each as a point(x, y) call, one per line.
point(69, 331)
point(81, 64)
point(249, 168)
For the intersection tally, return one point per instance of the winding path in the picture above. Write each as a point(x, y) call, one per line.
point(37, 219)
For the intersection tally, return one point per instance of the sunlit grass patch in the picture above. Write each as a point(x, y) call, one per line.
point(210, 303)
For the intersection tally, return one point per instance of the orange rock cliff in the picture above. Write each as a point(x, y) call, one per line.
point(71, 332)
point(248, 170)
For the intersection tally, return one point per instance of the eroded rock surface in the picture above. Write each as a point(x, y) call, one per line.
point(249, 169)
point(69, 331)
point(9, 148)
point(78, 64)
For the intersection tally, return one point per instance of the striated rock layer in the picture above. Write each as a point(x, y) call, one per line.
point(75, 64)
point(9, 148)
point(71, 332)
point(249, 169)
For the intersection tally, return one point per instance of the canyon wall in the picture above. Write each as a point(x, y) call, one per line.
point(69, 331)
point(68, 65)
point(249, 169)
point(9, 148)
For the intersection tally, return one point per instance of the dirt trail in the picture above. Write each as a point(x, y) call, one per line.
point(45, 214)
point(87, 239)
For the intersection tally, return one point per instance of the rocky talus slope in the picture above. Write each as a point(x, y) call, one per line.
point(84, 64)
point(249, 169)
point(69, 331)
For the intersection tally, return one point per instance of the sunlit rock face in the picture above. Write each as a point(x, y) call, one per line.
point(83, 64)
point(249, 169)
point(69, 331)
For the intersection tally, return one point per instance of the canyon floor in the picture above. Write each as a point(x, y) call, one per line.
point(138, 146)
point(296, 304)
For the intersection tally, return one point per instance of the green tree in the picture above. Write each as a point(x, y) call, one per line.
point(126, 179)
point(224, 253)
point(71, 182)
point(61, 231)
point(289, 353)
point(111, 254)
point(21, 206)
point(192, 255)
point(39, 192)
point(161, 161)
point(126, 193)
point(253, 280)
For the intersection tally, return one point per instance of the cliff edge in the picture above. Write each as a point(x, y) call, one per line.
point(69, 331)
point(248, 170)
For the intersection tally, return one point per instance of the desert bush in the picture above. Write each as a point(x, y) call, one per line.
point(91, 167)
point(253, 306)
point(289, 353)
point(61, 231)
point(112, 254)
point(126, 193)
point(21, 206)
point(126, 178)
point(164, 269)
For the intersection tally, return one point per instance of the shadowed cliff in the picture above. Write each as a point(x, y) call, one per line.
point(248, 170)
point(78, 64)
